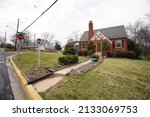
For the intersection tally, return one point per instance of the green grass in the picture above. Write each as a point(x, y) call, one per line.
point(112, 79)
point(28, 61)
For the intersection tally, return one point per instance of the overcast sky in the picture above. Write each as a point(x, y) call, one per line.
point(69, 15)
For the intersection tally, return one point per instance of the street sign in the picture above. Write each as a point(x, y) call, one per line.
point(20, 35)
point(39, 41)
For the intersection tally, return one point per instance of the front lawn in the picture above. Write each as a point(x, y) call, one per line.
point(28, 61)
point(112, 79)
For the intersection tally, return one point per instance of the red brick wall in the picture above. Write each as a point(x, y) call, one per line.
point(90, 32)
point(124, 45)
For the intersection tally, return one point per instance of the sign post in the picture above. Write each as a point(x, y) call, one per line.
point(39, 42)
point(20, 37)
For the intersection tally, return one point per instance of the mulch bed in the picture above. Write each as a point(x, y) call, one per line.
point(36, 74)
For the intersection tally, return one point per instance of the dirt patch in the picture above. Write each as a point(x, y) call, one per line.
point(36, 74)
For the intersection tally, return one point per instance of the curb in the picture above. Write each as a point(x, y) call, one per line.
point(30, 91)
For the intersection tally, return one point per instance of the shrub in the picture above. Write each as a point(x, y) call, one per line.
point(122, 54)
point(131, 54)
point(90, 48)
point(111, 54)
point(105, 45)
point(68, 59)
point(84, 53)
point(10, 46)
point(69, 49)
point(57, 46)
point(95, 56)
point(133, 46)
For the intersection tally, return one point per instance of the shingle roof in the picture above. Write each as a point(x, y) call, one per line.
point(110, 33)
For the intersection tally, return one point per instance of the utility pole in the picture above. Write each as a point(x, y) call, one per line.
point(16, 35)
point(5, 40)
point(41, 15)
point(34, 41)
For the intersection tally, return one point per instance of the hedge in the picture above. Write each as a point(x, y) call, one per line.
point(68, 59)
point(122, 54)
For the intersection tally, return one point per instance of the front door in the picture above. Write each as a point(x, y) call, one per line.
point(98, 46)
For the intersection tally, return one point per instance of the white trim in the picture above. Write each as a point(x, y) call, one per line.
point(119, 42)
point(98, 36)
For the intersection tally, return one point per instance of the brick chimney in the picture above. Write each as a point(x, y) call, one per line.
point(91, 32)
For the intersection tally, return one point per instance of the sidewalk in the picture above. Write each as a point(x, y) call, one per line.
point(17, 89)
point(66, 71)
point(48, 83)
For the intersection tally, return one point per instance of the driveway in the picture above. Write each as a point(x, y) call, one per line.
point(5, 88)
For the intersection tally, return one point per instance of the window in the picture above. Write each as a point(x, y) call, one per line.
point(118, 44)
point(83, 46)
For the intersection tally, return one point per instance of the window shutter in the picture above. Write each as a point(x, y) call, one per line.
point(113, 44)
point(122, 43)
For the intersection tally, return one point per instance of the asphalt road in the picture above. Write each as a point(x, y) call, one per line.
point(5, 88)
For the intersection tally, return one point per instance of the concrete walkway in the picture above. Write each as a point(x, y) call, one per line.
point(66, 71)
point(44, 85)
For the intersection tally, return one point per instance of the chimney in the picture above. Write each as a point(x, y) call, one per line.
point(91, 32)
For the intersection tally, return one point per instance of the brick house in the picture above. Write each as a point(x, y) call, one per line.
point(116, 36)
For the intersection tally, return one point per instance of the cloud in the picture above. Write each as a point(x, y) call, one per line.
point(70, 15)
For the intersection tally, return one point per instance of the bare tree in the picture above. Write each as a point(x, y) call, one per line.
point(140, 33)
point(2, 40)
point(148, 16)
point(27, 38)
point(76, 35)
point(26, 41)
point(48, 37)
point(132, 29)
point(143, 38)
point(13, 38)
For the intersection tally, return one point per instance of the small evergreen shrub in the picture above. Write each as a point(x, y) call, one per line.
point(95, 56)
point(69, 49)
point(68, 59)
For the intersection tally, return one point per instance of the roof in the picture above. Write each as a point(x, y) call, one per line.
point(110, 33)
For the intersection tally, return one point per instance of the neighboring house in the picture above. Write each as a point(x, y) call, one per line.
point(76, 46)
point(116, 36)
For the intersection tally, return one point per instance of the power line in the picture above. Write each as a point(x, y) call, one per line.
point(40, 15)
